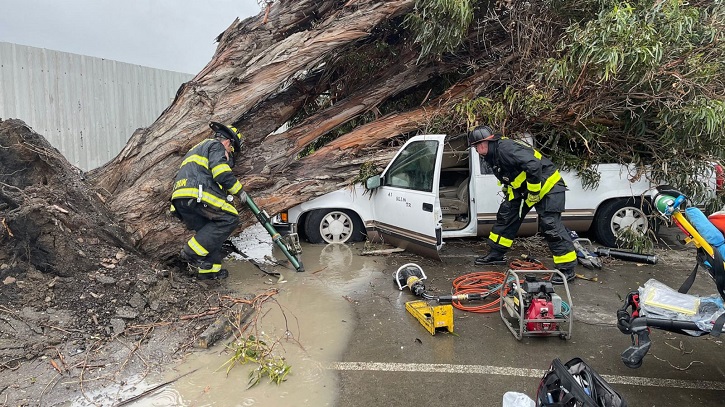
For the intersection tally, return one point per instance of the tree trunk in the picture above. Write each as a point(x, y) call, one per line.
point(257, 68)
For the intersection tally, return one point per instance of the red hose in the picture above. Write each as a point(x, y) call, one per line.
point(485, 281)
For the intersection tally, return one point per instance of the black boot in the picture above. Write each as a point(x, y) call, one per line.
point(494, 257)
point(568, 273)
point(219, 275)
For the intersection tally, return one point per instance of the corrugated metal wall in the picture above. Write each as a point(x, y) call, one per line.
point(86, 107)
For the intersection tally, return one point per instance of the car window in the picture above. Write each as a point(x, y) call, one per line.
point(414, 167)
point(485, 168)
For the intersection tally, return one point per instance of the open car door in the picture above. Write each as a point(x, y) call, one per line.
point(406, 207)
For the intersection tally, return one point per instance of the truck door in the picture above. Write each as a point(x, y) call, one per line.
point(406, 207)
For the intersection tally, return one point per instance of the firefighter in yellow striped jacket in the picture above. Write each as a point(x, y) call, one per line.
point(529, 180)
point(203, 193)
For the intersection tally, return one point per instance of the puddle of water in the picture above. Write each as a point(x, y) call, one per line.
point(310, 307)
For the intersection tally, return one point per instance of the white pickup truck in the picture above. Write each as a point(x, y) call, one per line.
point(436, 188)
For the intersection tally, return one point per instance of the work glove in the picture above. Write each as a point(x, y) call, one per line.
point(243, 197)
point(532, 199)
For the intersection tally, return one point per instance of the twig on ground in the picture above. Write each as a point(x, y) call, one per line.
point(677, 367)
point(151, 390)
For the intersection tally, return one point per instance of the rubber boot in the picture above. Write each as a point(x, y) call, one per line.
point(494, 257)
point(219, 275)
point(568, 273)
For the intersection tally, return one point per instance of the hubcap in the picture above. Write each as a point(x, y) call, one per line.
point(336, 227)
point(629, 218)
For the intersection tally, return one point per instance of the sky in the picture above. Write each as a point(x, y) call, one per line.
point(176, 35)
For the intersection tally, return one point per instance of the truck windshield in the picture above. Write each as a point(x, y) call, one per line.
point(414, 167)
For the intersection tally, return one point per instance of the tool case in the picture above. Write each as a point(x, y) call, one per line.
point(575, 384)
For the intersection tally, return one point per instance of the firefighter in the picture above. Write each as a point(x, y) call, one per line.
point(528, 180)
point(203, 193)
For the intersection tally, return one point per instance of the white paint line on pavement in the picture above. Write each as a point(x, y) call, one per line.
point(519, 372)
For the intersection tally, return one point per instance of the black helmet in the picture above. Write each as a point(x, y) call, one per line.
point(229, 133)
point(482, 133)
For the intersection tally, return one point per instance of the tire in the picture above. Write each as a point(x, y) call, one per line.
point(617, 214)
point(334, 226)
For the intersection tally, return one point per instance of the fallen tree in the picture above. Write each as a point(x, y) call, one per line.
point(320, 87)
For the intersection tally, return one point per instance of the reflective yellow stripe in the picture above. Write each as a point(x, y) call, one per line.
point(206, 197)
point(550, 182)
point(221, 168)
point(173, 208)
point(537, 154)
point(235, 188)
point(567, 258)
point(505, 242)
point(502, 240)
point(214, 269)
point(533, 187)
point(519, 180)
point(196, 159)
point(197, 248)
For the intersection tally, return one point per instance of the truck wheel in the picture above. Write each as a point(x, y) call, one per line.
point(334, 226)
point(619, 214)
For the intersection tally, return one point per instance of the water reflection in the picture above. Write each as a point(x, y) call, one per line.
point(309, 321)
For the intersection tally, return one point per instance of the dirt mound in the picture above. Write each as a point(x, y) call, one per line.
point(68, 271)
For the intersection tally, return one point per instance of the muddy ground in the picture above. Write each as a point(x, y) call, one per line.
point(57, 351)
point(75, 295)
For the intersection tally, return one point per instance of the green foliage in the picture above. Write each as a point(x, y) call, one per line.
point(635, 241)
point(439, 25)
point(254, 350)
point(481, 111)
point(643, 81)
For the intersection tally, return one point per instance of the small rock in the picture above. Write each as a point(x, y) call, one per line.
point(137, 301)
point(9, 279)
point(105, 280)
point(126, 312)
point(118, 325)
point(4, 266)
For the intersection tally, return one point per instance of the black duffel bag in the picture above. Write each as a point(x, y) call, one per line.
point(575, 384)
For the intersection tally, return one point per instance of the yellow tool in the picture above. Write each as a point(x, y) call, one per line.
point(432, 318)
point(583, 277)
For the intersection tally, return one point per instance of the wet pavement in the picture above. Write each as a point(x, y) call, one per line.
point(343, 327)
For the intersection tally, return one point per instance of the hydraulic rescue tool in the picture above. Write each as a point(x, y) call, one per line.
point(534, 309)
point(289, 244)
point(628, 256)
point(432, 318)
point(584, 252)
point(411, 275)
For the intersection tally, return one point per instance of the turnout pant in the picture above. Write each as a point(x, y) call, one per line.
point(213, 226)
point(556, 235)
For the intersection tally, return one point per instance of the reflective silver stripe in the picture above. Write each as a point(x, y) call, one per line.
point(206, 197)
point(197, 248)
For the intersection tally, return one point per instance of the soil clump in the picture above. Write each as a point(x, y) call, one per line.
point(76, 297)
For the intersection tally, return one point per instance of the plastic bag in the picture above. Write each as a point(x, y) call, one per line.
point(514, 399)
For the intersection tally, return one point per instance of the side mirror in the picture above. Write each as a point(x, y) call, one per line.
point(373, 182)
